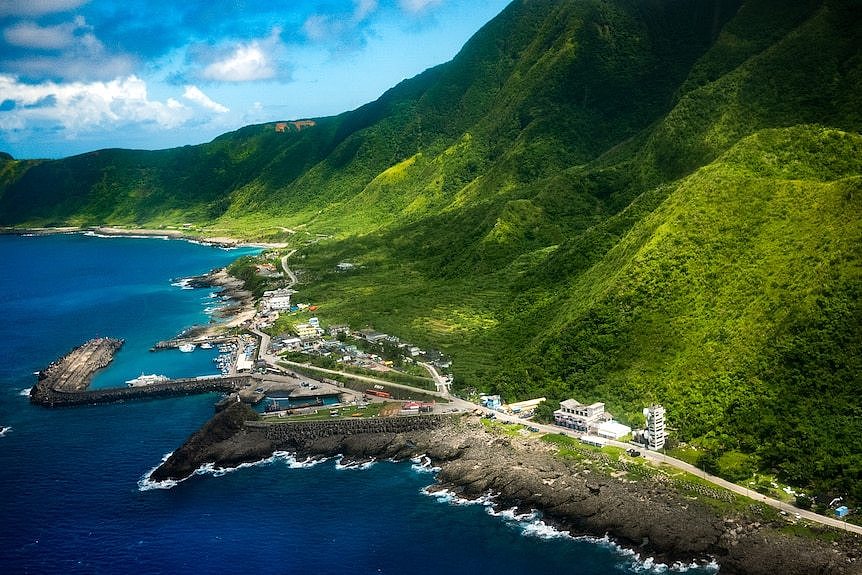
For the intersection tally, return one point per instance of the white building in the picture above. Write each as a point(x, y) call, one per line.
point(612, 430)
point(305, 331)
point(576, 415)
point(279, 303)
point(594, 441)
point(655, 434)
point(313, 321)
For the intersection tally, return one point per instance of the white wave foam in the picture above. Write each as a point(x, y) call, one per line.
point(25, 392)
point(294, 463)
point(145, 483)
point(532, 525)
point(422, 464)
point(353, 465)
point(184, 283)
point(4, 430)
point(444, 495)
point(93, 234)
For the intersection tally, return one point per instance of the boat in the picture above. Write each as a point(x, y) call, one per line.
point(187, 347)
point(273, 407)
point(206, 345)
point(146, 380)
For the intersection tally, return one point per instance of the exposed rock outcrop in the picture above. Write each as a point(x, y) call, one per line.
point(223, 440)
point(650, 515)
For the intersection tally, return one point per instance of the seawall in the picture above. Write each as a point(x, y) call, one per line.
point(291, 434)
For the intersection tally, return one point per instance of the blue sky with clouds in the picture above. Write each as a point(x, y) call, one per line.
point(79, 75)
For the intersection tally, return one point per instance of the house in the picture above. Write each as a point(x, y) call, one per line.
point(490, 401)
point(612, 430)
point(525, 406)
point(305, 331)
point(336, 329)
point(279, 303)
point(345, 266)
point(314, 321)
point(594, 441)
point(371, 336)
point(841, 511)
point(575, 415)
point(655, 433)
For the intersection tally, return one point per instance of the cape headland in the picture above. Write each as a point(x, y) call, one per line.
point(584, 493)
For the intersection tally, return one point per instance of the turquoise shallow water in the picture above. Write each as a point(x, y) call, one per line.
point(71, 500)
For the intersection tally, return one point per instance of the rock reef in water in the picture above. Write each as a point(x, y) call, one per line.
point(649, 515)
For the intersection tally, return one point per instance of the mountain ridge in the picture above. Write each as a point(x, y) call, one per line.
point(621, 201)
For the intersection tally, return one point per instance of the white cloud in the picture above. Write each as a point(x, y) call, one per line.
point(31, 35)
point(67, 50)
point(363, 8)
point(37, 7)
point(194, 94)
point(324, 26)
point(416, 6)
point(246, 63)
point(86, 106)
point(317, 27)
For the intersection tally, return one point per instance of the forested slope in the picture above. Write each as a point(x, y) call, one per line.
point(627, 201)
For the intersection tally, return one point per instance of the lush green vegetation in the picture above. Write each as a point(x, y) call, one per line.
point(623, 201)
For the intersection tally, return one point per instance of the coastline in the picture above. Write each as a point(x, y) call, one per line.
point(172, 234)
point(240, 307)
point(648, 516)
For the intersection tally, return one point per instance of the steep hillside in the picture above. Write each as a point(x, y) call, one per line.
point(627, 201)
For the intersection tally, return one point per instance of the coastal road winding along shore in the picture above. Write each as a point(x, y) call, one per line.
point(658, 458)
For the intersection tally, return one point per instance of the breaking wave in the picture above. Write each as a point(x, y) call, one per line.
point(146, 484)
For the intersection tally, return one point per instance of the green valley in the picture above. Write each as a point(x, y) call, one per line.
point(627, 201)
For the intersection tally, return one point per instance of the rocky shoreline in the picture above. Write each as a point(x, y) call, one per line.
point(648, 515)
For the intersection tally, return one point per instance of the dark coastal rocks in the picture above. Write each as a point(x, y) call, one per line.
point(223, 441)
point(647, 515)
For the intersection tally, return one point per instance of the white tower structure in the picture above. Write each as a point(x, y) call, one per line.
point(655, 427)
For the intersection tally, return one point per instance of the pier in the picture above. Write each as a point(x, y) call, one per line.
point(172, 388)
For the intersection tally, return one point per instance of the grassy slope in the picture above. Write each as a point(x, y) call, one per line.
point(628, 201)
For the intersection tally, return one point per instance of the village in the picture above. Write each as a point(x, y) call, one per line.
point(284, 336)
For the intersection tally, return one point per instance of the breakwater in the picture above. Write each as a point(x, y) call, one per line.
point(290, 434)
point(74, 371)
point(176, 387)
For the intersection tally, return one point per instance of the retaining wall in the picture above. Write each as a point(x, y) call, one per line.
point(294, 433)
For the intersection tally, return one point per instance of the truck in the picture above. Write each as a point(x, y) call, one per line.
point(378, 393)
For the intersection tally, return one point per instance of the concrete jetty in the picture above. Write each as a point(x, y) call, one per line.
point(172, 388)
point(73, 372)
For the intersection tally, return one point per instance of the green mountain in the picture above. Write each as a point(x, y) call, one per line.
point(628, 201)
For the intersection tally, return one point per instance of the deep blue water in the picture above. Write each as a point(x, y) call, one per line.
point(70, 499)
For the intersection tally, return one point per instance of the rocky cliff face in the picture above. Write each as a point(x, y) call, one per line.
point(223, 441)
point(650, 515)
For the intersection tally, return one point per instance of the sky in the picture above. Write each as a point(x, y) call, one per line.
point(79, 75)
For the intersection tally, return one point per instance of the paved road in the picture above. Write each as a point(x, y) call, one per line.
point(287, 273)
point(656, 457)
point(441, 382)
point(744, 491)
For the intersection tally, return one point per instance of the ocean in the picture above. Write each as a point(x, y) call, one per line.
point(73, 496)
